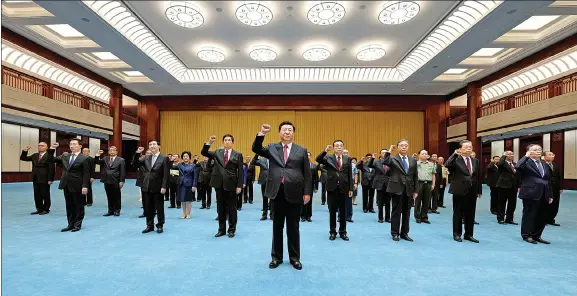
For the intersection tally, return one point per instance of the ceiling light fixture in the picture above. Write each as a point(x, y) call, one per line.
point(456, 71)
point(487, 52)
point(316, 53)
point(105, 56)
point(184, 14)
point(326, 13)
point(211, 55)
point(254, 13)
point(263, 53)
point(535, 22)
point(133, 73)
point(397, 12)
point(371, 52)
point(65, 30)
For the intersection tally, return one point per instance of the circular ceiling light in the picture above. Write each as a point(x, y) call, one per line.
point(254, 13)
point(263, 53)
point(316, 53)
point(326, 13)
point(211, 55)
point(397, 12)
point(371, 52)
point(184, 14)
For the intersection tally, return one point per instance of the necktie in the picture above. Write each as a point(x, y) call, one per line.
point(405, 164)
point(339, 163)
point(540, 166)
point(111, 161)
point(225, 157)
point(551, 165)
point(154, 157)
point(385, 168)
point(71, 159)
point(39, 156)
point(285, 157)
point(468, 165)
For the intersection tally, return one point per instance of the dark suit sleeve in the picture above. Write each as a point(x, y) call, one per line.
point(205, 152)
point(451, 162)
point(315, 175)
point(561, 175)
point(501, 164)
point(51, 168)
point(254, 161)
point(307, 174)
point(258, 148)
point(24, 156)
point(57, 160)
point(387, 160)
point(479, 178)
point(136, 162)
point(166, 173)
point(98, 160)
point(321, 158)
point(92, 167)
point(86, 173)
point(195, 174)
point(415, 178)
point(122, 171)
point(522, 164)
point(351, 178)
point(240, 172)
point(371, 163)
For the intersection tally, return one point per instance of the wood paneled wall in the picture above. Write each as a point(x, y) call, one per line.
point(362, 131)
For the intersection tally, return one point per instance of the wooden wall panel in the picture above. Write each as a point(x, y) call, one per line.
point(570, 154)
point(11, 148)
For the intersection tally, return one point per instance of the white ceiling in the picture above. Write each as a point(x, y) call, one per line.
point(290, 29)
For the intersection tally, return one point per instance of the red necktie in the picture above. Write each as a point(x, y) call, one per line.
point(39, 156)
point(225, 157)
point(110, 164)
point(469, 165)
point(285, 156)
point(339, 163)
point(385, 168)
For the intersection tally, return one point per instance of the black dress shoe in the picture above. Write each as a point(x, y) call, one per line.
point(303, 219)
point(372, 211)
point(160, 230)
point(107, 214)
point(148, 229)
point(511, 222)
point(208, 208)
point(141, 216)
point(35, 213)
point(219, 234)
point(388, 220)
point(471, 239)
point(396, 238)
point(365, 211)
point(435, 212)
point(75, 229)
point(442, 207)
point(68, 228)
point(250, 202)
point(501, 222)
point(216, 218)
point(344, 237)
point(231, 234)
point(406, 237)
point(309, 220)
point(203, 207)
point(171, 207)
point(418, 221)
point(43, 213)
point(333, 236)
point(350, 220)
point(476, 223)
point(381, 221)
point(457, 238)
point(178, 207)
point(274, 263)
point(116, 214)
point(89, 205)
point(297, 265)
point(542, 241)
point(426, 222)
point(530, 240)
point(263, 218)
point(554, 224)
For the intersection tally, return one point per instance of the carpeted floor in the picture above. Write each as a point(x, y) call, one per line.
point(111, 257)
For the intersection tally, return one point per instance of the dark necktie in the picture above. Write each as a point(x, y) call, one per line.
point(225, 157)
point(339, 163)
point(39, 156)
point(385, 168)
point(110, 164)
point(285, 158)
point(405, 165)
point(540, 166)
point(71, 159)
point(468, 161)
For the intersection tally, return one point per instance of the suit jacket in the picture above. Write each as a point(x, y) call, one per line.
point(492, 175)
point(229, 177)
point(250, 172)
point(154, 176)
point(111, 173)
point(323, 178)
point(342, 179)
point(463, 181)
point(399, 180)
point(92, 166)
point(367, 173)
point(533, 185)
point(204, 171)
point(556, 179)
point(75, 176)
point(380, 178)
point(263, 164)
point(507, 178)
point(315, 175)
point(439, 176)
point(296, 172)
point(186, 177)
point(42, 169)
point(139, 170)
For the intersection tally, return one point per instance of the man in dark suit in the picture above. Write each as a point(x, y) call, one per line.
point(227, 180)
point(42, 176)
point(139, 177)
point(113, 175)
point(167, 193)
point(492, 178)
point(535, 191)
point(248, 189)
point(438, 183)
point(74, 181)
point(507, 184)
point(307, 211)
point(92, 165)
point(340, 185)
point(323, 180)
point(173, 182)
point(367, 174)
point(289, 185)
point(262, 177)
point(556, 187)
point(380, 181)
point(205, 191)
point(155, 169)
point(466, 187)
point(403, 176)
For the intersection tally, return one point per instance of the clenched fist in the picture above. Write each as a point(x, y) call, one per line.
point(55, 145)
point(329, 148)
point(211, 139)
point(27, 148)
point(140, 149)
point(391, 148)
point(265, 128)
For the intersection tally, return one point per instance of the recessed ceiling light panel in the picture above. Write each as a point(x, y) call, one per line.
point(326, 13)
point(105, 56)
point(535, 22)
point(398, 12)
point(371, 52)
point(455, 71)
point(254, 13)
point(65, 30)
point(133, 73)
point(184, 14)
point(487, 52)
point(211, 55)
point(263, 54)
point(316, 53)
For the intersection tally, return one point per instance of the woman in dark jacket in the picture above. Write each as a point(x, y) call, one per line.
point(186, 183)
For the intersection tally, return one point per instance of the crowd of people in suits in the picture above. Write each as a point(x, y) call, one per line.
point(289, 178)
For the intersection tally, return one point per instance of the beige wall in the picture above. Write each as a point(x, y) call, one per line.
point(14, 139)
point(570, 157)
point(456, 130)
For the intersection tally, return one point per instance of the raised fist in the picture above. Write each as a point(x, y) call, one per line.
point(27, 148)
point(140, 149)
point(265, 128)
point(55, 145)
point(211, 139)
point(65, 154)
point(100, 152)
point(329, 148)
point(391, 148)
point(374, 155)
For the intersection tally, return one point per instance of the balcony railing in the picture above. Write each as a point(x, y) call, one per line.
point(458, 119)
point(130, 118)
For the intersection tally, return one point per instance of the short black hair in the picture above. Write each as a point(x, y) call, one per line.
point(169, 154)
point(77, 141)
point(335, 141)
point(402, 140)
point(157, 142)
point(287, 123)
point(496, 156)
point(185, 152)
point(228, 135)
point(464, 142)
point(354, 158)
point(423, 150)
point(368, 155)
point(545, 152)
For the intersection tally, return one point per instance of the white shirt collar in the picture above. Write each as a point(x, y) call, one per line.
point(290, 145)
point(156, 154)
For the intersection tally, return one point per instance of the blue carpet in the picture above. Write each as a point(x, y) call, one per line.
point(111, 257)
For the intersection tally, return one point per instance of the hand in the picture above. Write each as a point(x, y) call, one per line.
point(479, 195)
point(50, 182)
point(528, 154)
point(391, 148)
point(211, 140)
point(374, 155)
point(65, 154)
point(27, 148)
point(415, 195)
point(55, 145)
point(329, 148)
point(243, 185)
point(306, 198)
point(193, 189)
point(560, 191)
point(196, 158)
point(356, 186)
point(238, 190)
point(350, 193)
point(550, 201)
point(91, 180)
point(518, 189)
point(84, 191)
point(162, 190)
point(140, 149)
point(121, 184)
point(432, 187)
point(458, 151)
point(100, 152)
point(315, 190)
point(265, 128)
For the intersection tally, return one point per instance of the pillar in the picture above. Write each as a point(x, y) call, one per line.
point(473, 103)
point(115, 105)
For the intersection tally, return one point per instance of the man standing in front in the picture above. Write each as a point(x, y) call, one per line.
point(262, 178)
point(289, 185)
point(155, 176)
point(466, 187)
point(507, 184)
point(307, 211)
point(42, 177)
point(248, 191)
point(367, 185)
point(92, 166)
point(380, 182)
point(535, 191)
point(556, 187)
point(492, 178)
point(227, 180)
point(113, 175)
point(204, 190)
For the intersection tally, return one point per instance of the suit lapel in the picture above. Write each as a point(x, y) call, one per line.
point(332, 160)
point(280, 154)
point(399, 163)
point(463, 164)
point(292, 152)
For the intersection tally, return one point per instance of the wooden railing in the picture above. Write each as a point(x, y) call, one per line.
point(130, 118)
point(458, 119)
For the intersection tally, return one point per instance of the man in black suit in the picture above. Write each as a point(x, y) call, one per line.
point(262, 162)
point(556, 187)
point(227, 180)
point(204, 191)
point(367, 174)
point(380, 181)
point(42, 176)
point(167, 193)
point(323, 180)
point(443, 183)
point(307, 211)
point(492, 179)
point(438, 183)
point(289, 185)
point(173, 182)
point(92, 165)
point(139, 177)
point(403, 176)
point(466, 187)
point(113, 175)
point(156, 169)
point(248, 189)
point(340, 185)
point(535, 191)
point(507, 184)
point(74, 181)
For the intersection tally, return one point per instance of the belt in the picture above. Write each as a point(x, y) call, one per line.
point(425, 182)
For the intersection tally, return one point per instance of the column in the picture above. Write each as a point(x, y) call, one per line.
point(473, 103)
point(115, 105)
